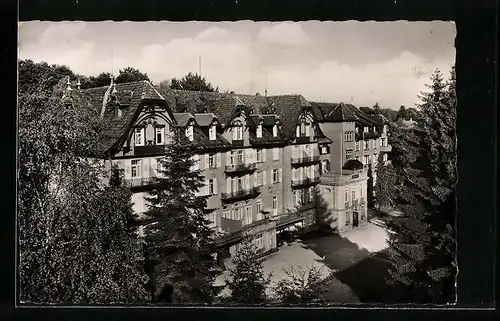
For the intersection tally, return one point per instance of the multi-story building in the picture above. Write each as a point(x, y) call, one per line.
point(264, 159)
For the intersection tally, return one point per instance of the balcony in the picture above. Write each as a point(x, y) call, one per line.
point(369, 135)
point(138, 181)
point(240, 195)
point(240, 168)
point(237, 143)
point(305, 160)
point(303, 139)
point(337, 179)
point(386, 149)
point(149, 150)
point(298, 183)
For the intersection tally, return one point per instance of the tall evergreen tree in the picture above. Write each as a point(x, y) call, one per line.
point(370, 187)
point(75, 246)
point(247, 281)
point(179, 240)
point(424, 257)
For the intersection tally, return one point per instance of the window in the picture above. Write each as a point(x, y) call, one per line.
point(325, 166)
point(349, 136)
point(189, 132)
point(324, 149)
point(367, 146)
point(259, 155)
point(357, 130)
point(347, 219)
point(375, 143)
point(259, 206)
point(259, 179)
point(308, 151)
point(308, 130)
point(346, 137)
point(237, 131)
point(296, 198)
point(366, 130)
point(136, 167)
point(353, 194)
point(240, 157)
point(348, 154)
point(226, 214)
point(385, 128)
point(248, 216)
point(160, 134)
point(212, 133)
point(346, 196)
point(385, 157)
point(357, 146)
point(382, 140)
point(139, 137)
point(231, 158)
point(294, 173)
point(259, 241)
point(275, 130)
point(259, 131)
point(311, 194)
point(240, 184)
point(361, 191)
point(275, 175)
point(276, 153)
point(302, 128)
point(367, 160)
point(275, 205)
point(211, 187)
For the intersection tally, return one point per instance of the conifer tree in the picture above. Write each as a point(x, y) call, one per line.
point(370, 187)
point(180, 243)
point(423, 255)
point(247, 281)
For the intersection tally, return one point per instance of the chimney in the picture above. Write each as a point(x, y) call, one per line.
point(78, 84)
point(257, 94)
point(68, 84)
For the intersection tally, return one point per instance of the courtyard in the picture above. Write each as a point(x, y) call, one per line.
point(349, 256)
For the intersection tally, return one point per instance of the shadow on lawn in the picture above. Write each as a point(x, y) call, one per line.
point(363, 272)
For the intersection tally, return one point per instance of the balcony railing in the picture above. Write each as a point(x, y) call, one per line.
point(241, 194)
point(369, 135)
point(305, 160)
point(305, 182)
point(337, 179)
point(386, 149)
point(237, 143)
point(138, 181)
point(303, 139)
point(240, 167)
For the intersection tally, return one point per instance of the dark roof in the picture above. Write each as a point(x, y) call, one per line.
point(204, 120)
point(353, 164)
point(333, 112)
point(129, 94)
point(202, 141)
point(182, 119)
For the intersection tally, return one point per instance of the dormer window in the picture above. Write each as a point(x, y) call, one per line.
point(275, 130)
point(308, 129)
point(212, 133)
point(366, 129)
point(160, 135)
point(139, 137)
point(189, 132)
point(303, 129)
point(237, 131)
point(259, 131)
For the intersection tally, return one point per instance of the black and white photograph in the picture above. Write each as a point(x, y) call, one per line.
point(239, 163)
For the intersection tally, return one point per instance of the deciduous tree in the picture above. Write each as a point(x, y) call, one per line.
point(302, 285)
point(130, 74)
point(192, 82)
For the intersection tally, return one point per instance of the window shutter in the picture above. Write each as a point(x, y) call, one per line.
point(281, 175)
point(228, 185)
point(219, 162)
point(297, 131)
point(264, 174)
point(127, 170)
point(216, 188)
point(263, 154)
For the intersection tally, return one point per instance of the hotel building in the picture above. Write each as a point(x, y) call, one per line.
point(270, 163)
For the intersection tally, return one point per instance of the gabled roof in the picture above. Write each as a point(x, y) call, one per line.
point(130, 94)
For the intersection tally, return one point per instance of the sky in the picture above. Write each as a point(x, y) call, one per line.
point(357, 62)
